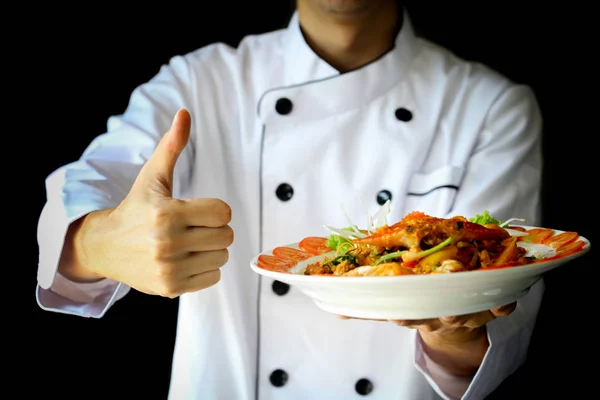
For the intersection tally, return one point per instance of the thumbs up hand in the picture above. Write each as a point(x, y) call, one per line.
point(153, 242)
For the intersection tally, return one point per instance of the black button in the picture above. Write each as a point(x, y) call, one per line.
point(284, 192)
point(383, 196)
point(280, 288)
point(363, 386)
point(403, 114)
point(278, 378)
point(284, 106)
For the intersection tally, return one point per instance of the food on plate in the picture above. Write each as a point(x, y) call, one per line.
point(423, 244)
point(420, 244)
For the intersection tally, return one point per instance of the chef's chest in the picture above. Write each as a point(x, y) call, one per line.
point(298, 162)
point(326, 170)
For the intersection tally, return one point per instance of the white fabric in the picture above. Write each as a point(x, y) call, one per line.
point(473, 144)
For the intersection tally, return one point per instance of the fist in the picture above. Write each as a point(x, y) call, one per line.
point(158, 244)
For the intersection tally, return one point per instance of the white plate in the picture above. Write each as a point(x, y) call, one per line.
point(419, 296)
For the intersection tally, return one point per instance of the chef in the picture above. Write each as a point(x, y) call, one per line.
point(230, 151)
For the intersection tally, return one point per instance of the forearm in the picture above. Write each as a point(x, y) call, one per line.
point(72, 265)
point(72, 289)
point(459, 353)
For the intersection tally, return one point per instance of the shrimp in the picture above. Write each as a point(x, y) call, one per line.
point(417, 229)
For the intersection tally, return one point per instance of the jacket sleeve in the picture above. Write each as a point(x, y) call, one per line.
point(101, 179)
point(510, 141)
point(509, 341)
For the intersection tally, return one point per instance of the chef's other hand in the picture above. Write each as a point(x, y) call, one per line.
point(458, 344)
point(153, 242)
point(456, 328)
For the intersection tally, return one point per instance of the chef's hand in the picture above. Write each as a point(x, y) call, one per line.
point(446, 326)
point(458, 343)
point(153, 242)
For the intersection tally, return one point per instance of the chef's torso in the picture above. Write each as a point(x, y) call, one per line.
point(287, 141)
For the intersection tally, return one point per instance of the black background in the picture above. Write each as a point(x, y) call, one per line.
point(79, 66)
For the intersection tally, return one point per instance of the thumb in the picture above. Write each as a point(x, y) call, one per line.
point(161, 164)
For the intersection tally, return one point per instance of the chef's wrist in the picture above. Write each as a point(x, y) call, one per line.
point(71, 264)
point(460, 351)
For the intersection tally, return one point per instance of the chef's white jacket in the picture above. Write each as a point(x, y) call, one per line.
point(285, 140)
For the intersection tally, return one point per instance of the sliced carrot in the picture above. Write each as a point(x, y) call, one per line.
point(537, 235)
point(275, 264)
point(570, 248)
point(561, 239)
point(289, 253)
point(314, 245)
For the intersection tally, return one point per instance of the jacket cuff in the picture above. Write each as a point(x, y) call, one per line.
point(54, 292)
point(82, 299)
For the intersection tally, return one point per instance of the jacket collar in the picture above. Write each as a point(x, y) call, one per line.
point(307, 76)
point(304, 65)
